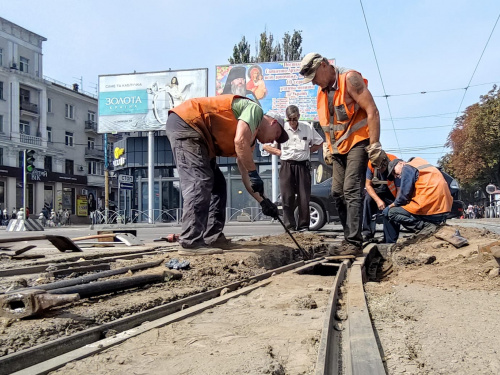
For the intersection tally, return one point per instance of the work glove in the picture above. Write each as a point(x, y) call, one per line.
point(327, 154)
point(377, 156)
point(269, 208)
point(385, 212)
point(256, 182)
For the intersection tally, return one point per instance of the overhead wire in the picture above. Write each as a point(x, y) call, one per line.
point(475, 69)
point(434, 91)
point(380, 74)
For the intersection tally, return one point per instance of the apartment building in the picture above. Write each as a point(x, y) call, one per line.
point(58, 121)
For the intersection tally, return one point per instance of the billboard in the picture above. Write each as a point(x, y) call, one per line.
point(274, 85)
point(141, 101)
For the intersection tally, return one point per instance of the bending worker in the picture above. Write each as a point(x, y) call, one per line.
point(201, 129)
point(423, 200)
point(380, 192)
point(350, 119)
point(295, 169)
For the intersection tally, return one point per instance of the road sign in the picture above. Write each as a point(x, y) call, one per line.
point(125, 178)
point(126, 185)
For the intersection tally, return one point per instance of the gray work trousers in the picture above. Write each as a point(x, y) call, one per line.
point(203, 185)
point(348, 183)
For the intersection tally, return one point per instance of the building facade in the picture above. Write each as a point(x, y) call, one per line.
point(58, 122)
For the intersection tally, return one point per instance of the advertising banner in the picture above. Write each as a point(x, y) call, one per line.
point(81, 205)
point(274, 85)
point(141, 101)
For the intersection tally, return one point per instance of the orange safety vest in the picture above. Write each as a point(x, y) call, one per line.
point(390, 183)
point(345, 125)
point(432, 194)
point(214, 119)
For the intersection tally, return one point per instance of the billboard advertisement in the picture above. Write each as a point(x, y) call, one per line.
point(274, 85)
point(141, 101)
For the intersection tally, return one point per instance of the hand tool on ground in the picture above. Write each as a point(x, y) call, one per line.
point(304, 253)
point(169, 238)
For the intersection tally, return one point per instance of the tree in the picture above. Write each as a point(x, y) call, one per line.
point(475, 143)
point(241, 53)
point(267, 50)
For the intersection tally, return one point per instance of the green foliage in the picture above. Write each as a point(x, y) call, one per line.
point(267, 50)
point(475, 142)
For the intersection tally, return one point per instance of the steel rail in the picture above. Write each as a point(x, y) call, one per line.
point(32, 357)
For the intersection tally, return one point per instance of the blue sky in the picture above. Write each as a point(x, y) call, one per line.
point(420, 46)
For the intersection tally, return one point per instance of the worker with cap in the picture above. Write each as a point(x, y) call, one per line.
point(201, 129)
point(423, 201)
point(350, 120)
point(380, 192)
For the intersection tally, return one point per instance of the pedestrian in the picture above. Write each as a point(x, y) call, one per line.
point(380, 192)
point(201, 129)
point(350, 120)
point(295, 168)
point(423, 200)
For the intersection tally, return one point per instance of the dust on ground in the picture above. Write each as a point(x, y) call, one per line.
point(440, 316)
point(248, 258)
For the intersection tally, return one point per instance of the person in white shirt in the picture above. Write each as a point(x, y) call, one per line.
point(295, 169)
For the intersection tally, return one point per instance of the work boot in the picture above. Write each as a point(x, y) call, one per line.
point(202, 250)
point(222, 243)
point(345, 248)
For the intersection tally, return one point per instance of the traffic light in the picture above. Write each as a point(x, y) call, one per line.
point(30, 161)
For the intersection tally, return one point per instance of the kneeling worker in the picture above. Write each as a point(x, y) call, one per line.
point(295, 169)
point(423, 201)
point(380, 192)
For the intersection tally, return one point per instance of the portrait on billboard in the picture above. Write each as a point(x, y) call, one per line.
point(141, 101)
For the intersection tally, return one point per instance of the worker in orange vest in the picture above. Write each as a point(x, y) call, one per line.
point(201, 129)
point(350, 120)
point(423, 201)
point(380, 192)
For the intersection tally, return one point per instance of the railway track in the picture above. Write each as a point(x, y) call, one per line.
point(347, 346)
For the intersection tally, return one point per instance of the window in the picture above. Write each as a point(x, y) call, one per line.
point(24, 127)
point(1, 57)
point(1, 90)
point(91, 143)
point(49, 105)
point(24, 95)
point(69, 139)
point(91, 116)
point(1, 123)
point(95, 168)
point(49, 134)
point(1, 156)
point(70, 111)
point(47, 164)
point(23, 64)
point(69, 166)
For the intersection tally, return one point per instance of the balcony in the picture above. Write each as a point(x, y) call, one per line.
point(30, 139)
point(90, 126)
point(93, 153)
point(29, 107)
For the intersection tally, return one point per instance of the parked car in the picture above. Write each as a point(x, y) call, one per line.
point(322, 208)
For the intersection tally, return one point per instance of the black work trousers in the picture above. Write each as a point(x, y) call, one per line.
point(202, 183)
point(370, 208)
point(295, 187)
point(348, 183)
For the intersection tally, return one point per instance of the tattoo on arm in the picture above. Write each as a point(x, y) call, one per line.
point(356, 82)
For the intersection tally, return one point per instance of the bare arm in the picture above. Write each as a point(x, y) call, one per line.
point(315, 148)
point(242, 144)
point(371, 192)
point(357, 89)
point(246, 181)
point(272, 150)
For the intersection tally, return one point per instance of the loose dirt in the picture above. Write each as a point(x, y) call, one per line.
point(436, 313)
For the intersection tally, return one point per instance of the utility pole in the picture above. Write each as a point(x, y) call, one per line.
point(106, 179)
